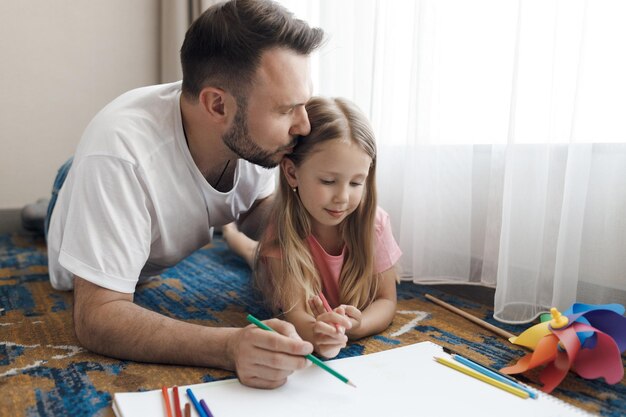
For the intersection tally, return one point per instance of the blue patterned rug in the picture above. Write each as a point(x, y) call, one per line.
point(44, 372)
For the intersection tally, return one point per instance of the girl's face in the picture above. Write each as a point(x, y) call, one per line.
point(331, 181)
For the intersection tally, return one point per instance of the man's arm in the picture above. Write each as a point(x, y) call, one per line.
point(252, 221)
point(109, 323)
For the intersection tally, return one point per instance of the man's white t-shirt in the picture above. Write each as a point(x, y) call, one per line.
point(134, 202)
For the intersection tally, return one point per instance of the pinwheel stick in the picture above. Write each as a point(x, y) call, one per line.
point(488, 326)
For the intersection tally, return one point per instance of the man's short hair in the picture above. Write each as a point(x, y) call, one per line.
point(223, 47)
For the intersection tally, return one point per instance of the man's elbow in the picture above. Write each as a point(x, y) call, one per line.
point(86, 331)
point(96, 315)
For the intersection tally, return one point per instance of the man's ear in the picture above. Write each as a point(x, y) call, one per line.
point(288, 169)
point(217, 103)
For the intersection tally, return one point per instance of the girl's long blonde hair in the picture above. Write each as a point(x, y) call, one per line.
point(290, 224)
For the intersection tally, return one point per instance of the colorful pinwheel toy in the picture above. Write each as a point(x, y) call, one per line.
point(588, 339)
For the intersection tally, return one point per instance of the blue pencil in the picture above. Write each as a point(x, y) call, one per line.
point(196, 404)
point(479, 368)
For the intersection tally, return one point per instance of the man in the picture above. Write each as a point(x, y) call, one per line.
point(161, 165)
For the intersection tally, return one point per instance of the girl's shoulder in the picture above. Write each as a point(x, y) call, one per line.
point(381, 220)
point(386, 248)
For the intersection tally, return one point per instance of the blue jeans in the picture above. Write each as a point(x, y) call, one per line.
point(56, 187)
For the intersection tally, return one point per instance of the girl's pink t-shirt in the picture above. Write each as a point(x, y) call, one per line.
point(386, 252)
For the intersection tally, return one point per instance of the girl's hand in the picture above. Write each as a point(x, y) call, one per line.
point(327, 340)
point(328, 328)
point(355, 316)
point(317, 306)
point(319, 311)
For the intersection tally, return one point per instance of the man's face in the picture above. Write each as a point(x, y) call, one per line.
point(265, 126)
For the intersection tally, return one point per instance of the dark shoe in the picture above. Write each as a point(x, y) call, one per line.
point(34, 216)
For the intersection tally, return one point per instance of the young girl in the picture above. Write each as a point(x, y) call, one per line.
point(326, 238)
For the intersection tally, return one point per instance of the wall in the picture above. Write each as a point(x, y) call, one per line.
point(60, 62)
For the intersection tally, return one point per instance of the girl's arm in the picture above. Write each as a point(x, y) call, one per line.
point(319, 330)
point(378, 315)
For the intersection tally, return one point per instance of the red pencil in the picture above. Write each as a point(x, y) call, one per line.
point(328, 309)
point(166, 397)
point(176, 402)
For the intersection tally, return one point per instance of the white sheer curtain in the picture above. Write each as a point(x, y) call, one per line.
point(502, 138)
point(176, 16)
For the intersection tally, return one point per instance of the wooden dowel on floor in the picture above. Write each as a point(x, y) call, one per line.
point(488, 326)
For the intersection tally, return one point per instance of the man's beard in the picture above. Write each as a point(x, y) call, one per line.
point(239, 141)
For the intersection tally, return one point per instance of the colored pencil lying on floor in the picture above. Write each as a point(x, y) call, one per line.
point(310, 357)
point(488, 326)
point(187, 410)
point(482, 377)
point(166, 398)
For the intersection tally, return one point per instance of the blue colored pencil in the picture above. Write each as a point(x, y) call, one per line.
point(488, 372)
point(195, 403)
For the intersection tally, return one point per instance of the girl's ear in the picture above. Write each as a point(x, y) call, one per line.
point(288, 168)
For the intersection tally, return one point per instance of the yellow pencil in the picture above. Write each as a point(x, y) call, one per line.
point(482, 377)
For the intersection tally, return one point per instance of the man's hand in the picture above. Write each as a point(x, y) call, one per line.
point(264, 359)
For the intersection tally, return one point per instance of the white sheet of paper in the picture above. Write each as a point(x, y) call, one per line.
point(404, 381)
